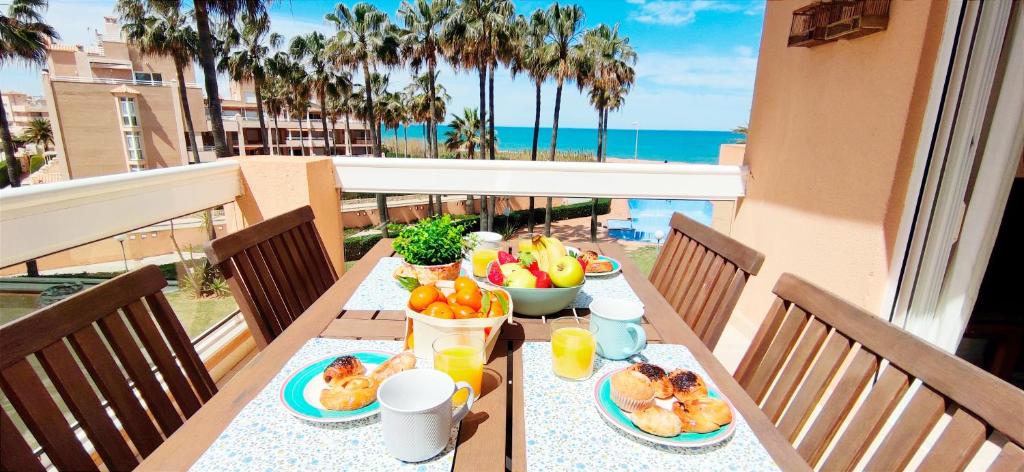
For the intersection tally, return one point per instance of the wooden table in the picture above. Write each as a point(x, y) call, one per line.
point(490, 438)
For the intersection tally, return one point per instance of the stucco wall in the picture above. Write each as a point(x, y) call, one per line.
point(833, 130)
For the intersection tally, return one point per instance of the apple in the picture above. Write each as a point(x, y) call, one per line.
point(508, 268)
point(566, 272)
point(521, 279)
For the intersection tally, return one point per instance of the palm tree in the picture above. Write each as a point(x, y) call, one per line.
point(535, 56)
point(463, 134)
point(312, 49)
point(208, 51)
point(345, 102)
point(23, 38)
point(741, 129)
point(364, 37)
point(275, 99)
point(607, 68)
point(425, 110)
point(248, 46)
point(293, 76)
point(38, 132)
point(421, 44)
point(564, 24)
point(162, 28)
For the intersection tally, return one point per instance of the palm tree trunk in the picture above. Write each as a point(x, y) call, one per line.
point(604, 157)
point(302, 141)
point(483, 140)
point(491, 142)
point(554, 146)
point(348, 138)
point(13, 166)
point(593, 201)
point(277, 136)
point(183, 96)
point(208, 61)
point(334, 147)
point(323, 122)
point(533, 152)
point(405, 131)
point(382, 202)
point(258, 86)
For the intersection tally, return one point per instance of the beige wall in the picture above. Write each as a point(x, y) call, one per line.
point(833, 132)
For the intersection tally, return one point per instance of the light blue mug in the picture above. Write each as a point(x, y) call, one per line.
point(619, 334)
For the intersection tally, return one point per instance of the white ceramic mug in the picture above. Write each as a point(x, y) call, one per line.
point(619, 334)
point(416, 412)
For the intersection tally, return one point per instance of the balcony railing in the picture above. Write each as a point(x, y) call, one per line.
point(96, 80)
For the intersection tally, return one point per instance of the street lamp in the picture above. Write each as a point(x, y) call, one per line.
point(636, 143)
point(120, 238)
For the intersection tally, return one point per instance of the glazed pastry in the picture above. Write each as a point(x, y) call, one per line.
point(631, 391)
point(687, 385)
point(657, 421)
point(589, 256)
point(349, 393)
point(342, 367)
point(703, 415)
point(599, 266)
point(659, 380)
point(404, 360)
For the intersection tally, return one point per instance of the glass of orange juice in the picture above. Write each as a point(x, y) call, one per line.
point(572, 348)
point(482, 256)
point(461, 356)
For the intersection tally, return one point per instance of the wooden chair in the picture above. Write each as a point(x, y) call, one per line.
point(93, 324)
point(276, 269)
point(816, 350)
point(701, 273)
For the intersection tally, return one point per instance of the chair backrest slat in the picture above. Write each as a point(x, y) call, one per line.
point(276, 269)
point(17, 454)
point(46, 335)
point(73, 387)
point(701, 273)
point(816, 354)
point(43, 417)
point(1010, 459)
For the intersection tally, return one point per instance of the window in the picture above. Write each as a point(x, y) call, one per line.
point(149, 77)
point(250, 97)
point(129, 113)
point(133, 143)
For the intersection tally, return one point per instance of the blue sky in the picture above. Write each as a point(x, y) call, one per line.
point(696, 65)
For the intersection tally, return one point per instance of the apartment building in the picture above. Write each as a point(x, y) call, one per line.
point(115, 110)
point(22, 108)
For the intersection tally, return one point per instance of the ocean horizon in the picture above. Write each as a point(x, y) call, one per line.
point(689, 146)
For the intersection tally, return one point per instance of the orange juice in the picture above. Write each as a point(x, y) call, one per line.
point(572, 352)
point(462, 363)
point(481, 258)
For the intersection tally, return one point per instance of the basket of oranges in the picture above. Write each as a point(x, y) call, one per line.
point(458, 306)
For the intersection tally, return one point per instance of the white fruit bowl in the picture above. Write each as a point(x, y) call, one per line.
point(539, 301)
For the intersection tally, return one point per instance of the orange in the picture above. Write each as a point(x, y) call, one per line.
point(451, 299)
point(495, 310)
point(464, 282)
point(470, 297)
point(463, 312)
point(439, 310)
point(422, 296)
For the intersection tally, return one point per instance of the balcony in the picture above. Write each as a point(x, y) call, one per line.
point(96, 80)
point(827, 21)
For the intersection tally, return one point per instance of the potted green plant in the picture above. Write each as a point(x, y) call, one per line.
point(432, 250)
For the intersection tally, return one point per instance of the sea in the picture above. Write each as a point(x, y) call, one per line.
point(648, 219)
point(696, 147)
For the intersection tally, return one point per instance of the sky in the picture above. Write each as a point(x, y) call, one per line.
point(695, 68)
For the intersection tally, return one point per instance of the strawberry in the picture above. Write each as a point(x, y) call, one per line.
point(583, 262)
point(529, 262)
point(543, 279)
point(506, 257)
point(494, 275)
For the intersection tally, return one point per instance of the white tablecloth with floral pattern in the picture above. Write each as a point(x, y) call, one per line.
point(564, 430)
point(264, 436)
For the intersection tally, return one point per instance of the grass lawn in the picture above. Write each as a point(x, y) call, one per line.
point(199, 314)
point(644, 257)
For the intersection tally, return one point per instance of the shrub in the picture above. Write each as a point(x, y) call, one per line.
point(357, 246)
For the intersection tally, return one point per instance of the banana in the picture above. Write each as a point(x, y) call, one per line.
point(541, 256)
point(555, 248)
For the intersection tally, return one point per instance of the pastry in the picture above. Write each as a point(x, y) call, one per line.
point(349, 393)
point(703, 415)
point(589, 256)
point(659, 380)
point(404, 360)
point(687, 385)
point(631, 390)
point(657, 421)
point(342, 367)
point(598, 267)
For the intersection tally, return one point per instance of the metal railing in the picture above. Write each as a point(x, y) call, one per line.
point(98, 80)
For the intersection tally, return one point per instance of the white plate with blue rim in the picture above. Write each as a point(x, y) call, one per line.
point(300, 392)
point(616, 267)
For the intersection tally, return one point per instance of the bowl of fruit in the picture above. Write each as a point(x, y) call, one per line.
point(459, 306)
point(543, 278)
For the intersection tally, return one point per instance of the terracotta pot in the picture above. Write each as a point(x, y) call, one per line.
point(430, 274)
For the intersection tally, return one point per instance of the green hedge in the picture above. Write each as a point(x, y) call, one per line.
point(357, 246)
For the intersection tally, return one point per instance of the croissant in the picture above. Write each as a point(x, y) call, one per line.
point(349, 393)
point(703, 415)
point(687, 385)
point(657, 421)
point(404, 360)
point(342, 367)
point(599, 266)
